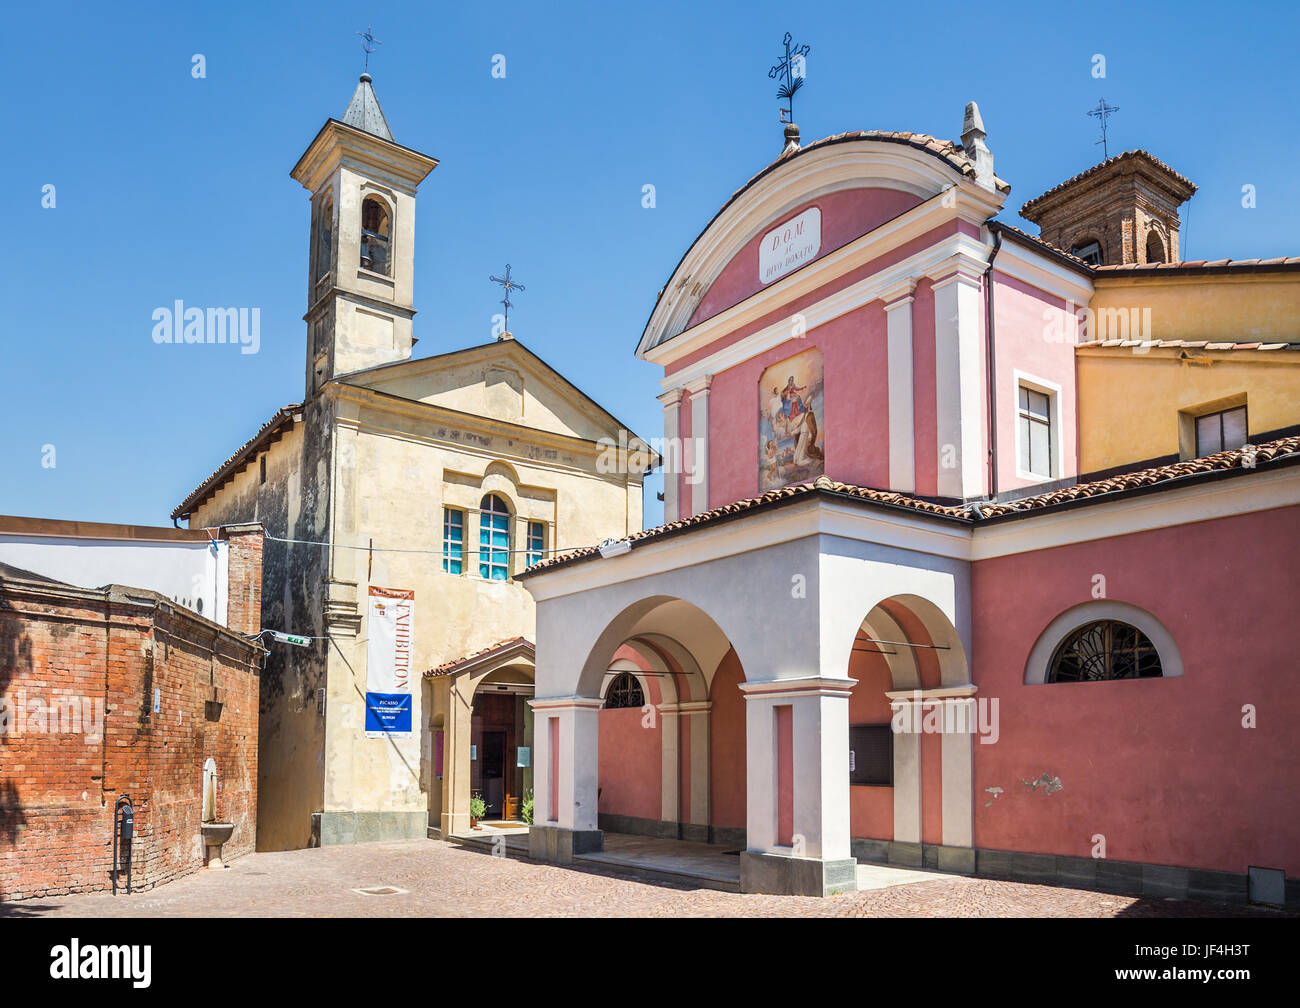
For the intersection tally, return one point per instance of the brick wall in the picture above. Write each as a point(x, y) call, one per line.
point(244, 596)
point(114, 648)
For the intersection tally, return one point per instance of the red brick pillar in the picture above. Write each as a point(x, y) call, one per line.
point(244, 592)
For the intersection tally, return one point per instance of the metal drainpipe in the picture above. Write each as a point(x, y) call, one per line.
point(992, 366)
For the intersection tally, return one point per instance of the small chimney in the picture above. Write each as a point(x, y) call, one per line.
point(972, 142)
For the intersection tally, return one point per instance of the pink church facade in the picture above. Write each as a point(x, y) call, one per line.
point(886, 620)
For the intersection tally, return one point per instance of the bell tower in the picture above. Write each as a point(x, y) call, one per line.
point(361, 249)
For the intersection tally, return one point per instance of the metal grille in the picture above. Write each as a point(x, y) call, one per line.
point(1103, 650)
point(624, 691)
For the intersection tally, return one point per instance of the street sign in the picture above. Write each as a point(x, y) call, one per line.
point(285, 638)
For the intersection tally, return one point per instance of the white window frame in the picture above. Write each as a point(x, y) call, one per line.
point(447, 558)
point(1052, 390)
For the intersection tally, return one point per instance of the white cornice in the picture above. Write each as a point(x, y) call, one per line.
point(957, 251)
point(1040, 271)
point(1234, 495)
point(1239, 494)
point(862, 164)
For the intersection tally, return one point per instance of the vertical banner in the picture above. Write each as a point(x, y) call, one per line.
point(388, 661)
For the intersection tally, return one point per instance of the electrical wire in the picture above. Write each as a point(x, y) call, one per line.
point(440, 551)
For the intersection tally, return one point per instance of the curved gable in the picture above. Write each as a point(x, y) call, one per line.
point(855, 183)
point(824, 225)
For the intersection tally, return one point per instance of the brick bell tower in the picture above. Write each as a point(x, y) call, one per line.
point(361, 250)
point(1124, 210)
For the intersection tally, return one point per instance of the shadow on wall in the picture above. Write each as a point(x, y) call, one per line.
point(15, 653)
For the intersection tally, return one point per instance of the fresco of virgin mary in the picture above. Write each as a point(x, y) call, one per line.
point(789, 434)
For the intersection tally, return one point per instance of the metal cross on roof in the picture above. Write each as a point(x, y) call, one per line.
point(1102, 111)
point(507, 286)
point(369, 44)
point(791, 71)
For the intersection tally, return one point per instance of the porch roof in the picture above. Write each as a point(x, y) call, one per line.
point(1239, 461)
point(510, 647)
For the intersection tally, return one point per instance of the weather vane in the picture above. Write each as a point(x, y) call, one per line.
point(369, 44)
point(1101, 112)
point(507, 286)
point(791, 72)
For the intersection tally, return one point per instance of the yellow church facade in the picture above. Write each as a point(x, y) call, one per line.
point(401, 498)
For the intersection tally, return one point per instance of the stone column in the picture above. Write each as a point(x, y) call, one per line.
point(797, 769)
point(672, 453)
point(959, 391)
point(698, 479)
point(566, 742)
point(902, 420)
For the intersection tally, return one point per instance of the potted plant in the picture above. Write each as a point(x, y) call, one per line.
point(477, 810)
point(526, 808)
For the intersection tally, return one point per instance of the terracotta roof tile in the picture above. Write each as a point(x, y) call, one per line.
point(187, 506)
point(1284, 263)
point(447, 667)
point(1244, 458)
point(949, 150)
point(1247, 457)
point(1125, 156)
point(1190, 344)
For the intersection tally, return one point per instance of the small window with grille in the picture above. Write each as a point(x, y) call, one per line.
point(1102, 650)
point(624, 691)
point(871, 755)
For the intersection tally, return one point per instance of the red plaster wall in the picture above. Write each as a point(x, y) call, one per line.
point(846, 215)
point(727, 744)
point(1162, 768)
point(871, 809)
point(631, 754)
point(631, 767)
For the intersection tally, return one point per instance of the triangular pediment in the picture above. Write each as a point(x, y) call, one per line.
point(503, 380)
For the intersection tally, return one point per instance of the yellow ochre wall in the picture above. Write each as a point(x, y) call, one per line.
point(1135, 402)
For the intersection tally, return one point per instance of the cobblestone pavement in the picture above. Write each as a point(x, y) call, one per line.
point(442, 879)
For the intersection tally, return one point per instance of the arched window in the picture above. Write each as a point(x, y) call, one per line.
point(1089, 252)
point(1104, 649)
point(494, 538)
point(1155, 248)
point(324, 251)
point(376, 233)
point(624, 691)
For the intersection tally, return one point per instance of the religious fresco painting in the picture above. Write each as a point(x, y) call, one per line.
point(791, 406)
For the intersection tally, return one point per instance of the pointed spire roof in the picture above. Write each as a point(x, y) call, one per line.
point(364, 112)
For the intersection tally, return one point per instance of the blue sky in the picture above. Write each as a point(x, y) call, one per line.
point(169, 187)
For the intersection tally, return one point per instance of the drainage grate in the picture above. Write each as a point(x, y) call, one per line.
point(379, 891)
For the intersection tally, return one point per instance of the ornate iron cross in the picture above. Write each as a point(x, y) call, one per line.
point(507, 285)
point(1102, 111)
point(790, 72)
point(369, 44)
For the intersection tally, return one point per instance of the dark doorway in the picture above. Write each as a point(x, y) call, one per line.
point(494, 772)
